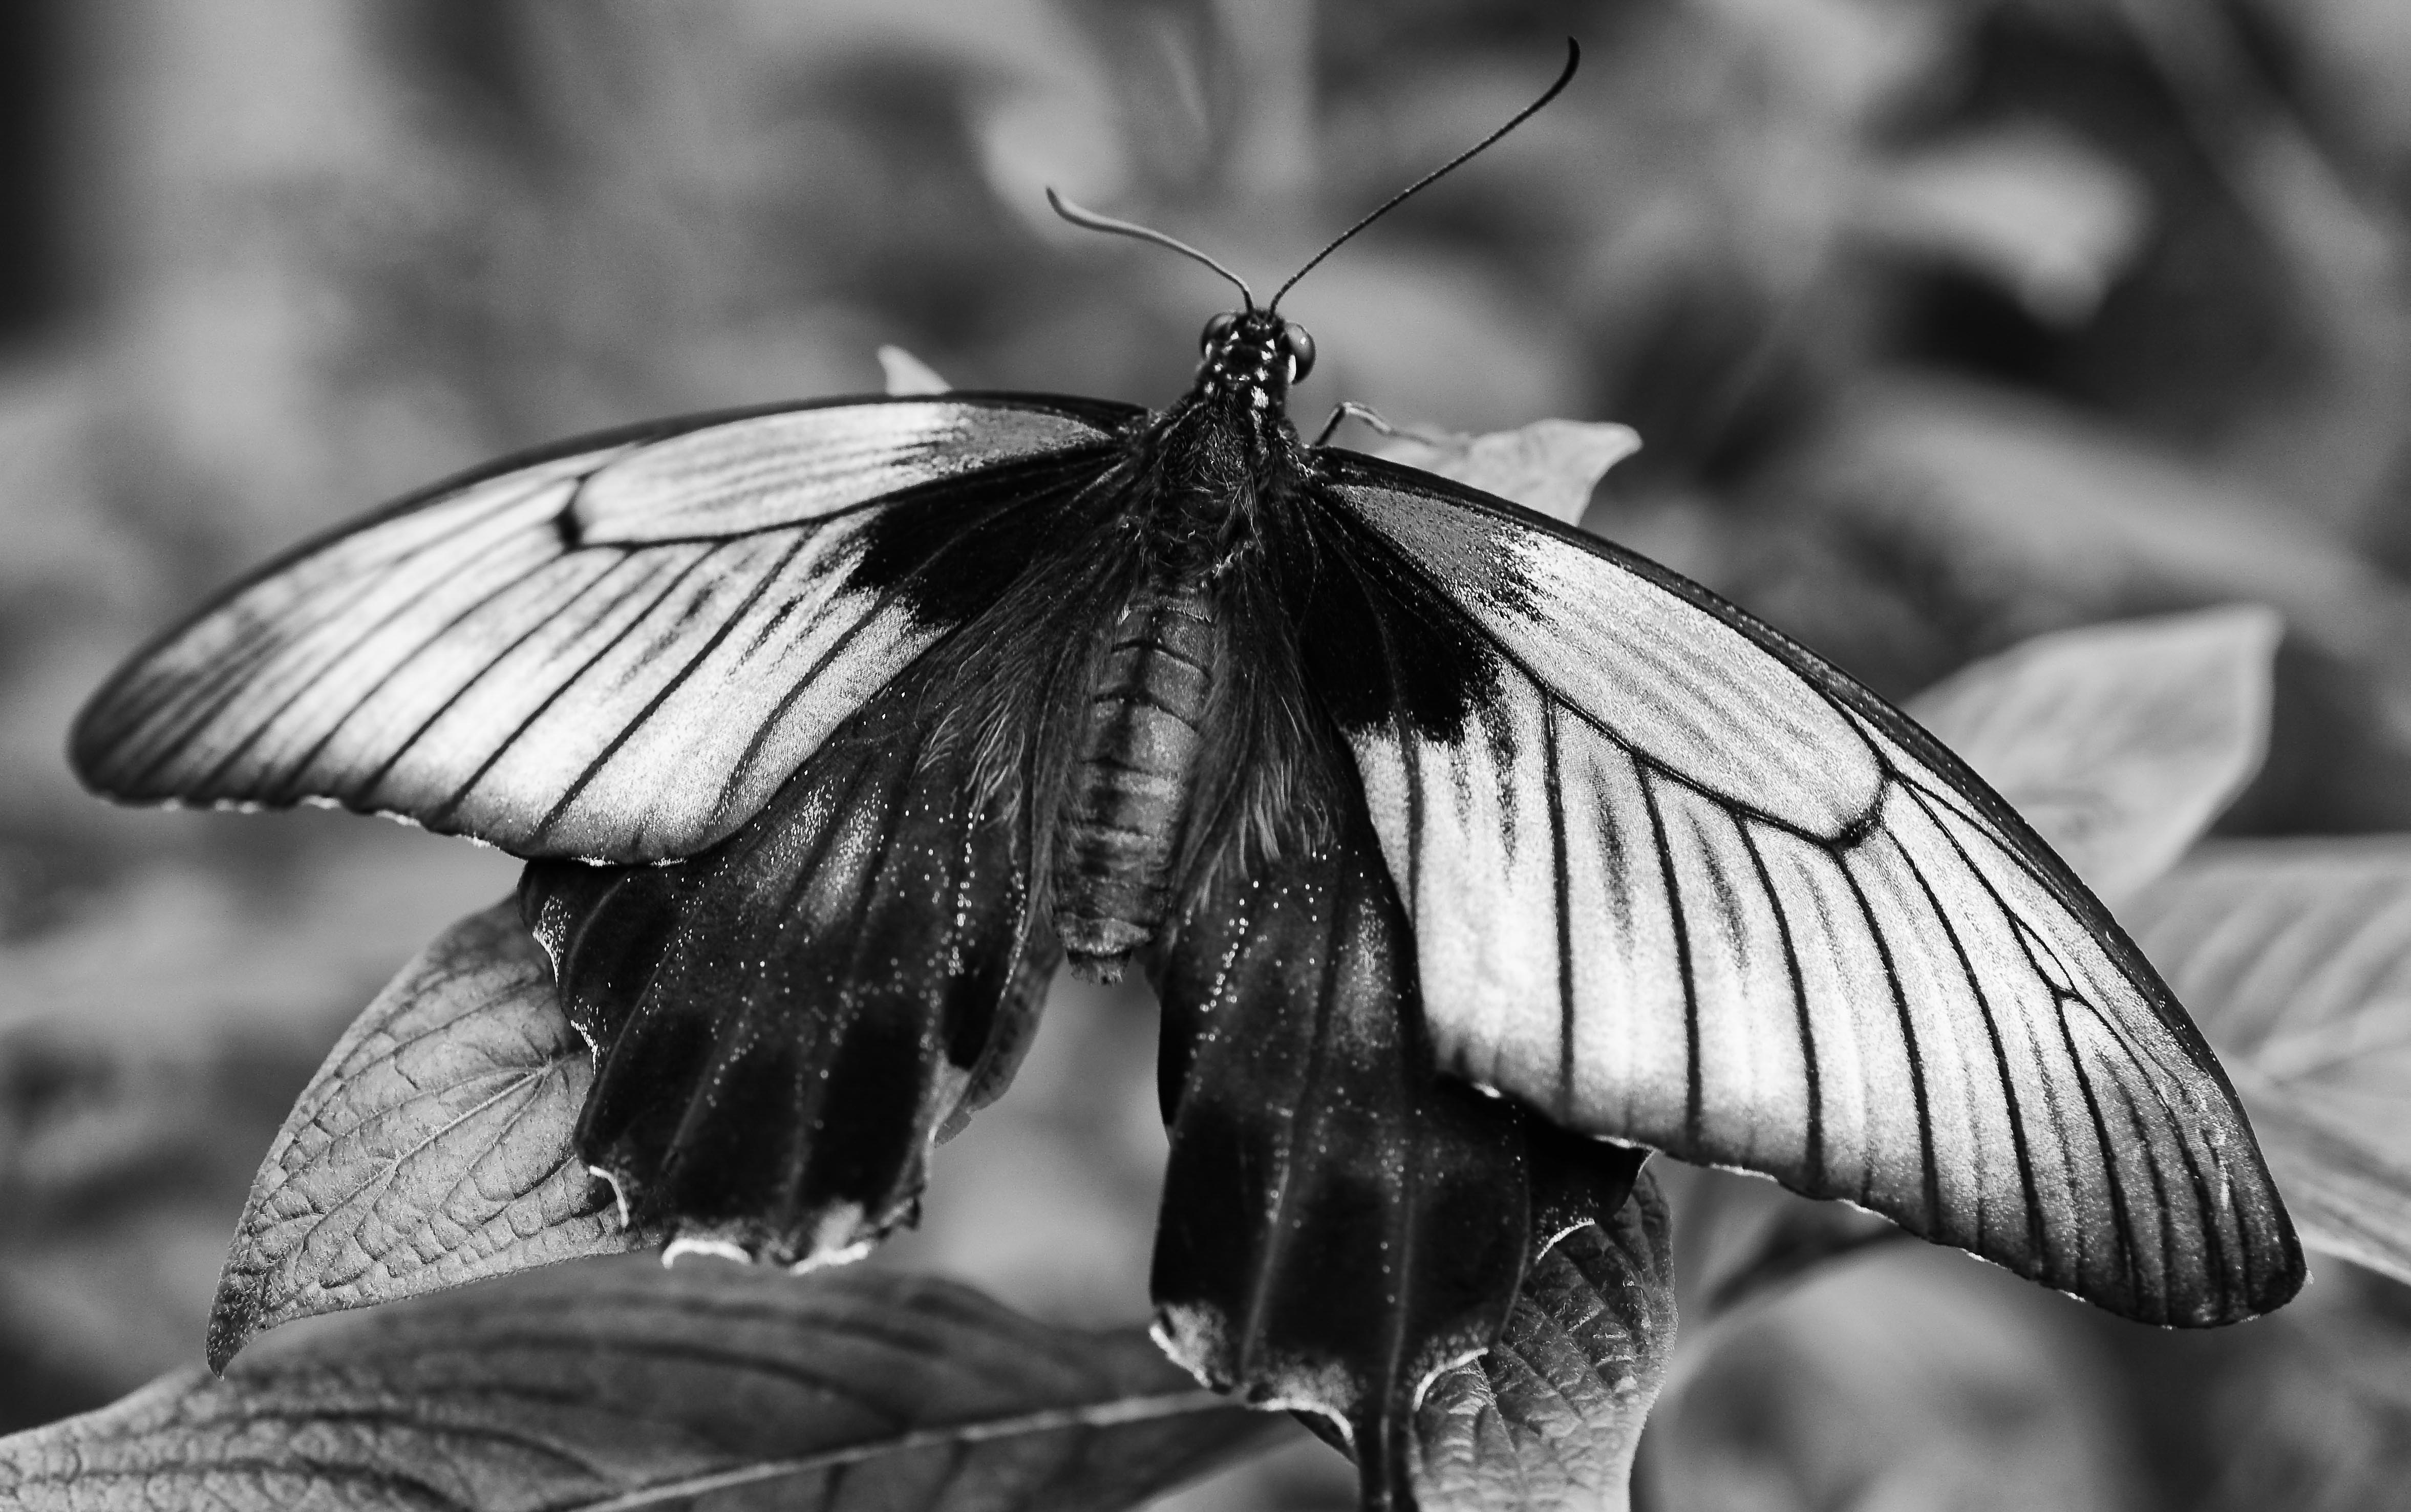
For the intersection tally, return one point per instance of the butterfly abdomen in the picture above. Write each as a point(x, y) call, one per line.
point(1129, 790)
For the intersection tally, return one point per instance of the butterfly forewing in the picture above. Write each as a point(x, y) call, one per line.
point(1674, 880)
point(617, 652)
point(802, 465)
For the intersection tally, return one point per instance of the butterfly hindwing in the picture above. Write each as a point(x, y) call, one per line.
point(1338, 1223)
point(617, 650)
point(1673, 879)
point(782, 1023)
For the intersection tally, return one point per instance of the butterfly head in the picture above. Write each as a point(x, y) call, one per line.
point(1252, 357)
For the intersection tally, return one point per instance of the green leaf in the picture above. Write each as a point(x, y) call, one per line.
point(1551, 1416)
point(2118, 743)
point(432, 1148)
point(2295, 959)
point(622, 1385)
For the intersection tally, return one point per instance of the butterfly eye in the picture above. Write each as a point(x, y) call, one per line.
point(1300, 345)
point(1216, 330)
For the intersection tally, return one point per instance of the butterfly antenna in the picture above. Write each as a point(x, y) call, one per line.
point(1574, 61)
point(1090, 221)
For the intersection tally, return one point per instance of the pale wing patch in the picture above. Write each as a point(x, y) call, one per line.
point(1752, 1099)
point(682, 720)
point(778, 470)
point(1673, 682)
point(1815, 956)
point(1618, 940)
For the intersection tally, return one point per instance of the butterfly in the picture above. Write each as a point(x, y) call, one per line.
point(1468, 855)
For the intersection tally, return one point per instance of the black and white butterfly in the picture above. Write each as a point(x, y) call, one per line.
point(1440, 828)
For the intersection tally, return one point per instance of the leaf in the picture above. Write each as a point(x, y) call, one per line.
point(2349, 1196)
point(2295, 959)
point(2035, 506)
point(2119, 742)
point(1978, 515)
point(2317, 1415)
point(178, 954)
point(1933, 520)
point(1911, 1380)
point(1548, 465)
point(624, 1384)
point(908, 374)
point(434, 1148)
point(153, 1033)
point(2051, 219)
point(1552, 1415)
point(120, 1162)
point(1793, 1239)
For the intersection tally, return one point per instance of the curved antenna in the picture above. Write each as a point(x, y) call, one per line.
point(1574, 61)
point(1088, 220)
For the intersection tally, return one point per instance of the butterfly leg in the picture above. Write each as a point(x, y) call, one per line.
point(1343, 412)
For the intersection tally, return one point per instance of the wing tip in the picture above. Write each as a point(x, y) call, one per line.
point(2281, 1286)
point(96, 736)
point(2282, 1281)
point(2195, 1310)
point(2217, 1290)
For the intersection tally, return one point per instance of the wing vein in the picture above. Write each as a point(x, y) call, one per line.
point(1410, 769)
point(269, 649)
point(444, 811)
point(728, 624)
point(334, 727)
point(1562, 891)
point(2161, 1210)
point(2036, 1230)
point(1932, 1184)
point(1551, 693)
point(452, 699)
point(1694, 1088)
point(838, 646)
point(1814, 1153)
point(264, 637)
point(263, 642)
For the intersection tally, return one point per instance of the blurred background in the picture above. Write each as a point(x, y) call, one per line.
point(1944, 322)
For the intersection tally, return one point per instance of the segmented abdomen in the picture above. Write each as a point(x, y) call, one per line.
point(1121, 822)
